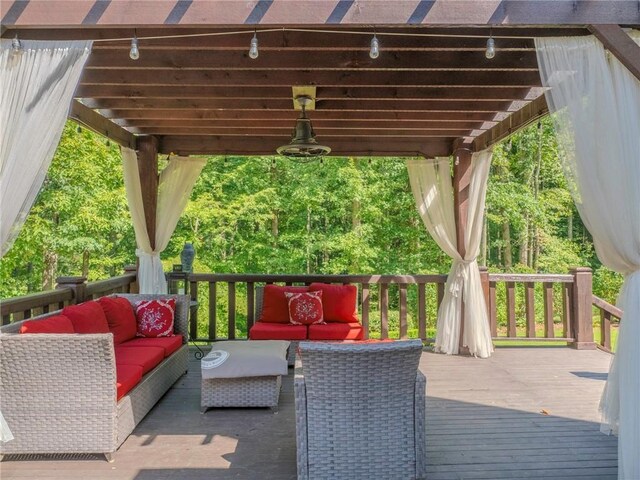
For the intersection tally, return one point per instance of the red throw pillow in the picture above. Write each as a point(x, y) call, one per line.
point(275, 307)
point(305, 308)
point(120, 317)
point(155, 317)
point(338, 302)
point(88, 317)
point(54, 324)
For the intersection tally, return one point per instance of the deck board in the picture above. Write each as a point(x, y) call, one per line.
point(485, 420)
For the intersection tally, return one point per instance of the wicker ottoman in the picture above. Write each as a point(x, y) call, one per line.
point(243, 374)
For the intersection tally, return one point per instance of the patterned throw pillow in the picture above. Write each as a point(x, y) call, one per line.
point(305, 308)
point(154, 318)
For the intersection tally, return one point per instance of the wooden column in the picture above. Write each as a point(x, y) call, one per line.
point(148, 171)
point(581, 309)
point(77, 284)
point(461, 180)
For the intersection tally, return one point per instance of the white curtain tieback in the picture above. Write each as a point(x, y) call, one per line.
point(142, 253)
point(460, 276)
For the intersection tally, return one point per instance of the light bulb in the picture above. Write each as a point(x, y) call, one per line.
point(16, 46)
point(134, 53)
point(253, 49)
point(491, 48)
point(374, 52)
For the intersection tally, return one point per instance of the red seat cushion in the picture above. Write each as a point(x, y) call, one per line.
point(168, 344)
point(54, 324)
point(127, 377)
point(275, 331)
point(275, 307)
point(88, 317)
point(145, 357)
point(336, 331)
point(155, 317)
point(120, 317)
point(338, 302)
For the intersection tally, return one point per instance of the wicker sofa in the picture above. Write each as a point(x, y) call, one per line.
point(360, 411)
point(59, 390)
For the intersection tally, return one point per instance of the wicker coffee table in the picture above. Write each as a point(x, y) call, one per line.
point(243, 374)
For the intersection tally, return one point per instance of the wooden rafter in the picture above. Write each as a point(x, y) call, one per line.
point(620, 45)
point(99, 124)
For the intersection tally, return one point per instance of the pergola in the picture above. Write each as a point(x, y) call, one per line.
point(430, 93)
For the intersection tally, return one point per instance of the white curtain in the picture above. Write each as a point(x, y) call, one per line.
point(433, 193)
point(174, 189)
point(595, 103)
point(37, 84)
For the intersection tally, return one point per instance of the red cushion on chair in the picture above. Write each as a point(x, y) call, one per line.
point(145, 357)
point(88, 317)
point(53, 324)
point(127, 377)
point(155, 317)
point(168, 344)
point(305, 308)
point(120, 317)
point(336, 331)
point(338, 302)
point(275, 308)
point(274, 331)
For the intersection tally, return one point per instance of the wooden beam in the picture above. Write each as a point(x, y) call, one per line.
point(148, 171)
point(620, 45)
point(267, 78)
point(323, 93)
point(285, 132)
point(257, 145)
point(301, 60)
point(99, 124)
point(516, 121)
point(135, 13)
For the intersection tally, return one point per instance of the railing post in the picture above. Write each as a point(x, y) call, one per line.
point(484, 280)
point(77, 284)
point(582, 316)
point(133, 286)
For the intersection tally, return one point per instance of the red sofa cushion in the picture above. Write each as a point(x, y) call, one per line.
point(275, 331)
point(88, 317)
point(168, 344)
point(127, 377)
point(155, 317)
point(336, 331)
point(275, 308)
point(305, 308)
point(338, 302)
point(54, 324)
point(145, 357)
point(120, 318)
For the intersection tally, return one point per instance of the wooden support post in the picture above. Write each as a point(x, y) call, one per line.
point(484, 279)
point(77, 284)
point(461, 180)
point(148, 171)
point(581, 315)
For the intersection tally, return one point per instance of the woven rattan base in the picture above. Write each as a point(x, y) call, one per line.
point(241, 392)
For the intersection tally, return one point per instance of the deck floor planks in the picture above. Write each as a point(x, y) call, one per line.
point(484, 421)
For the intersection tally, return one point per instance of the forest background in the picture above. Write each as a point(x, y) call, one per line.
point(273, 215)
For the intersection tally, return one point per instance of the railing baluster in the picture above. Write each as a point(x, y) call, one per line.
point(548, 309)
point(402, 310)
point(384, 310)
point(530, 314)
point(213, 310)
point(493, 314)
point(422, 311)
point(366, 297)
point(232, 311)
point(251, 298)
point(6, 319)
point(511, 309)
point(566, 311)
point(193, 312)
point(605, 329)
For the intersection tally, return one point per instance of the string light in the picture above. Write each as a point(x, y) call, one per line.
point(16, 46)
point(374, 52)
point(134, 53)
point(253, 48)
point(491, 47)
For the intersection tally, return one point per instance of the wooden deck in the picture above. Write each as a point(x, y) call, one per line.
point(524, 413)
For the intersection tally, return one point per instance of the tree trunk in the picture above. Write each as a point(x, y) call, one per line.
point(308, 240)
point(50, 269)
point(355, 214)
point(506, 240)
point(524, 243)
point(274, 226)
point(570, 226)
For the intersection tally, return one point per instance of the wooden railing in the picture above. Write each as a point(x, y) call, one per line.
point(608, 313)
point(69, 290)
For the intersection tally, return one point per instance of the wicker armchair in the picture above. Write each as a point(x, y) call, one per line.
point(360, 411)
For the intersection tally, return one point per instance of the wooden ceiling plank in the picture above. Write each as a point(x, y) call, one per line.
point(99, 124)
point(620, 45)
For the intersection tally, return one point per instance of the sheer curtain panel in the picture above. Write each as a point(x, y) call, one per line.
point(174, 189)
point(433, 193)
point(595, 102)
point(36, 88)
